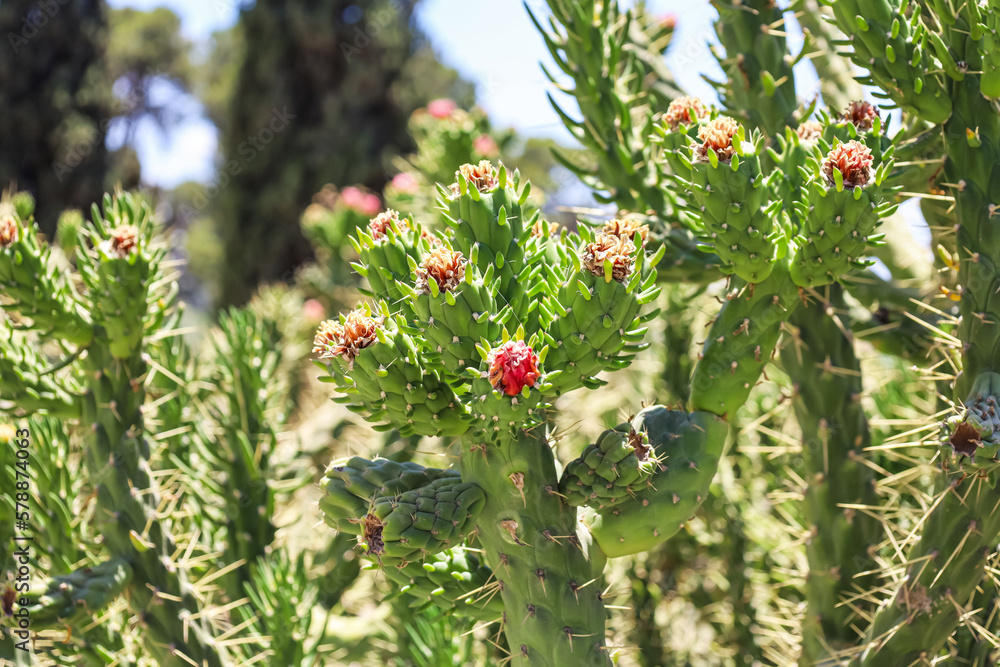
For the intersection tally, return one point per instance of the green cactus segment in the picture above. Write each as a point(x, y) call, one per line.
point(760, 80)
point(457, 317)
point(27, 388)
point(547, 571)
point(39, 291)
point(119, 271)
point(989, 50)
point(400, 512)
point(485, 210)
point(593, 322)
point(834, 435)
point(841, 214)
point(899, 53)
point(944, 568)
point(387, 250)
point(688, 447)
point(611, 471)
point(384, 376)
point(454, 580)
point(975, 434)
point(129, 505)
point(741, 342)
point(73, 600)
point(730, 197)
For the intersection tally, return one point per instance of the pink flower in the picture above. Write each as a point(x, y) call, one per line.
point(313, 311)
point(363, 202)
point(441, 108)
point(513, 366)
point(405, 182)
point(486, 146)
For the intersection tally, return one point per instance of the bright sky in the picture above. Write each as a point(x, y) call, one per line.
point(493, 44)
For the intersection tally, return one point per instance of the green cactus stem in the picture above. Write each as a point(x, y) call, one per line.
point(834, 436)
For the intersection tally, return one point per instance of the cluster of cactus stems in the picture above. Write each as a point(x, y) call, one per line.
point(474, 332)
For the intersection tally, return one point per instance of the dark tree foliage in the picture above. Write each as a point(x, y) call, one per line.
point(322, 95)
point(52, 120)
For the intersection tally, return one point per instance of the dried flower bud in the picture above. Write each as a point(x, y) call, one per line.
point(124, 239)
point(626, 228)
point(483, 176)
point(810, 131)
point(853, 160)
point(684, 110)
point(445, 266)
point(717, 136)
point(8, 231)
point(346, 340)
point(862, 114)
point(372, 534)
point(538, 229)
point(383, 221)
point(513, 366)
point(616, 249)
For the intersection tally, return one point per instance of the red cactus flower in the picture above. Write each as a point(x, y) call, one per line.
point(811, 130)
point(363, 202)
point(853, 160)
point(717, 136)
point(483, 176)
point(8, 231)
point(445, 266)
point(626, 228)
point(513, 366)
point(383, 221)
point(611, 247)
point(862, 114)
point(313, 310)
point(124, 239)
point(441, 108)
point(346, 340)
point(686, 110)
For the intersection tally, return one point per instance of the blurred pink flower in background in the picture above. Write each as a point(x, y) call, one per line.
point(441, 108)
point(363, 202)
point(405, 182)
point(486, 146)
point(313, 311)
point(668, 20)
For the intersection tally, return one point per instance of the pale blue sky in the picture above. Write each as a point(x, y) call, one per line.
point(493, 44)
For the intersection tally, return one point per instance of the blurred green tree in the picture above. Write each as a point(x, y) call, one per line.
point(308, 93)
